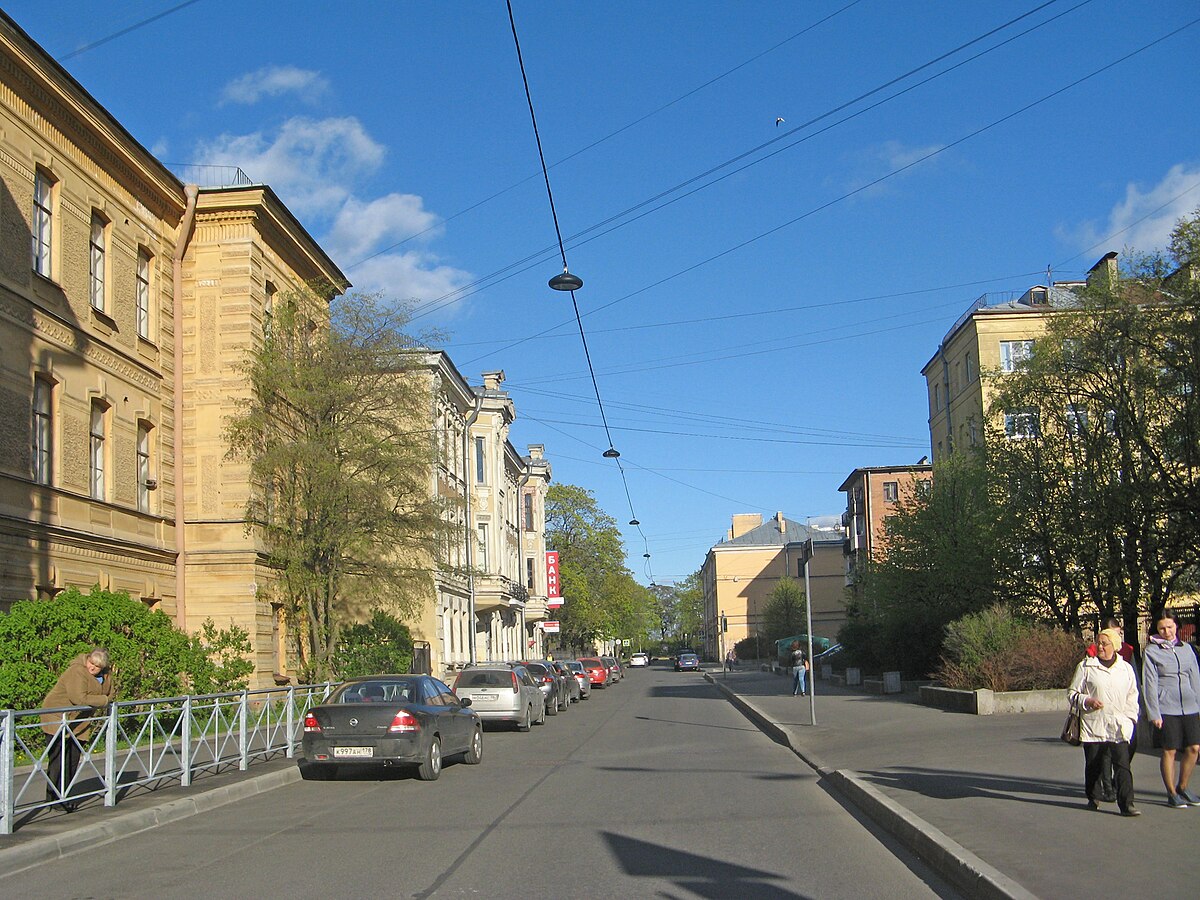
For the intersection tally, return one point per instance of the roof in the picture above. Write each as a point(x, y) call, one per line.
point(768, 535)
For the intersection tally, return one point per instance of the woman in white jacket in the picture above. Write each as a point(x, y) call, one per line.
point(1105, 688)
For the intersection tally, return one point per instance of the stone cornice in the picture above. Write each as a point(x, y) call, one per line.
point(42, 93)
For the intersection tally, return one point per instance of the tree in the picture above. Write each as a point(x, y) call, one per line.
point(338, 442)
point(1102, 499)
point(689, 595)
point(786, 611)
point(591, 564)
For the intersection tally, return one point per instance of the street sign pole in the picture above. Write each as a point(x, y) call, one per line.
point(812, 671)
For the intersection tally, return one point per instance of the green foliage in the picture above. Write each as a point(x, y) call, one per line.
point(753, 647)
point(337, 437)
point(382, 645)
point(786, 611)
point(150, 656)
point(993, 649)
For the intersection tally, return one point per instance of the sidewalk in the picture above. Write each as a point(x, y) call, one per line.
point(1003, 790)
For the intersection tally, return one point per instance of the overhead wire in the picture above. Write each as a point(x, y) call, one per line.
point(611, 451)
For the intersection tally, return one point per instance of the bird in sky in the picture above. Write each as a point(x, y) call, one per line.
point(779, 121)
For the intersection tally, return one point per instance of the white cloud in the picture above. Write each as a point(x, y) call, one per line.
point(880, 160)
point(311, 163)
point(271, 81)
point(360, 228)
point(1144, 219)
point(411, 275)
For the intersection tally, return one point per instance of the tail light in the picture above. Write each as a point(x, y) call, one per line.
point(311, 723)
point(516, 684)
point(404, 721)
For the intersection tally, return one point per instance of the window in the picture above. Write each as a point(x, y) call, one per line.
point(529, 512)
point(969, 376)
point(42, 431)
point(269, 312)
point(143, 466)
point(1021, 423)
point(482, 562)
point(43, 223)
point(1076, 420)
point(143, 294)
point(1072, 350)
point(1013, 354)
point(891, 491)
point(97, 261)
point(98, 430)
point(529, 572)
point(479, 475)
point(1110, 422)
point(973, 433)
point(937, 397)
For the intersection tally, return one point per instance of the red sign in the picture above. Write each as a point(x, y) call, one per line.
point(553, 586)
point(550, 627)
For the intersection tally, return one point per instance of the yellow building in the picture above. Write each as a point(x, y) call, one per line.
point(740, 573)
point(873, 494)
point(989, 339)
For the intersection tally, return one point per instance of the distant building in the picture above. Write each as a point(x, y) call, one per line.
point(740, 573)
point(873, 494)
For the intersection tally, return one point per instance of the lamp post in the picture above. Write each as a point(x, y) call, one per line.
point(812, 680)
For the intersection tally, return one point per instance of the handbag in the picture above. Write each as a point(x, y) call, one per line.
point(1071, 728)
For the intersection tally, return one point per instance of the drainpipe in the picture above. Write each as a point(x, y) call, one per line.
point(528, 473)
point(191, 191)
point(469, 533)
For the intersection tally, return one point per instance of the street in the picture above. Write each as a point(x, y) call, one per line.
point(654, 787)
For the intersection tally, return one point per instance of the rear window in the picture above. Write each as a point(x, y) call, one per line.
point(376, 692)
point(470, 679)
point(592, 662)
point(536, 668)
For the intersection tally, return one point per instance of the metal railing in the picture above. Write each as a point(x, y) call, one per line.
point(144, 743)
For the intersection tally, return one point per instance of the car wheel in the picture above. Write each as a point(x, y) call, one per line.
point(541, 719)
point(431, 766)
point(526, 720)
point(552, 708)
point(474, 754)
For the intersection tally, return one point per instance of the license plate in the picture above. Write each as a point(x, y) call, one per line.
point(487, 696)
point(353, 752)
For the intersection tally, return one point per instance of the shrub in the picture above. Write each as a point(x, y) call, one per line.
point(753, 648)
point(992, 649)
point(150, 656)
point(382, 645)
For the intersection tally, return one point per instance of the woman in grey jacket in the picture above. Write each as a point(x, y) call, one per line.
point(1171, 692)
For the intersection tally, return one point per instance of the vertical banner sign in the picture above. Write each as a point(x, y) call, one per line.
point(553, 586)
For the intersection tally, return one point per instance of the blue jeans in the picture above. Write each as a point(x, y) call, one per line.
point(798, 680)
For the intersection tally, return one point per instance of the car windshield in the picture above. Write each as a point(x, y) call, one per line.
point(575, 666)
point(375, 692)
point(476, 678)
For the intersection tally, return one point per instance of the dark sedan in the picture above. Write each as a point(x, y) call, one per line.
point(405, 720)
point(687, 662)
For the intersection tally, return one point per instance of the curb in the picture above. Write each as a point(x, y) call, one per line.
point(47, 849)
point(951, 860)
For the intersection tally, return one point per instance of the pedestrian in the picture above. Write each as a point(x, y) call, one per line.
point(1105, 689)
point(1125, 651)
point(87, 682)
point(799, 670)
point(1171, 694)
point(730, 659)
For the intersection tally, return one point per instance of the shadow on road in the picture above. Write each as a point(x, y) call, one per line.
point(702, 875)
point(944, 784)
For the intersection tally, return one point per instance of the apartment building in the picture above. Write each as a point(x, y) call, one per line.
point(992, 337)
point(741, 571)
point(872, 495)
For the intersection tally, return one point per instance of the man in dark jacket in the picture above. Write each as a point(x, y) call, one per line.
point(88, 683)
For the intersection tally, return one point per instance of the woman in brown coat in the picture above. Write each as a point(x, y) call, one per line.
point(87, 682)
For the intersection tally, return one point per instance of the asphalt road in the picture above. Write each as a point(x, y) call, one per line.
point(655, 787)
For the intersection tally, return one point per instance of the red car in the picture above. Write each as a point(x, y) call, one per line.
point(597, 671)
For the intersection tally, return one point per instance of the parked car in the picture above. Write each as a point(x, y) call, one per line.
point(551, 684)
point(614, 667)
point(598, 673)
point(572, 686)
point(407, 720)
point(502, 694)
point(639, 660)
point(687, 662)
point(581, 677)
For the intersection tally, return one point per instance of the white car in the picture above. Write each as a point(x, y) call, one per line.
point(638, 660)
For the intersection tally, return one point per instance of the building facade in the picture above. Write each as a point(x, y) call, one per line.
point(740, 573)
point(873, 494)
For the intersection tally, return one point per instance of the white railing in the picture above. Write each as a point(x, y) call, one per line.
point(146, 743)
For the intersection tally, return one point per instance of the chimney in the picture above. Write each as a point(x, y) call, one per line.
point(743, 522)
point(493, 380)
point(537, 451)
point(1104, 272)
point(779, 522)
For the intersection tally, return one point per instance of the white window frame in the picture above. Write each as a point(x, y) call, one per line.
point(891, 491)
point(1021, 424)
point(482, 532)
point(43, 431)
point(142, 295)
point(480, 460)
point(1014, 353)
point(97, 449)
point(143, 466)
point(97, 261)
point(43, 223)
point(1076, 419)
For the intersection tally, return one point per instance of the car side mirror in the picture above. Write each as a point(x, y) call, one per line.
point(464, 702)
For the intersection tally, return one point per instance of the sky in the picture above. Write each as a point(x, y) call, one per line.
point(778, 209)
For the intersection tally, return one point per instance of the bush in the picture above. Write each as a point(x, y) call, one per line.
point(753, 648)
point(382, 645)
point(992, 649)
point(150, 656)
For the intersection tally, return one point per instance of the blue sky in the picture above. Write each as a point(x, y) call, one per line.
point(756, 338)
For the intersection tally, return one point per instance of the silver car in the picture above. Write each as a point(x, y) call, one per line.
point(502, 694)
point(581, 676)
